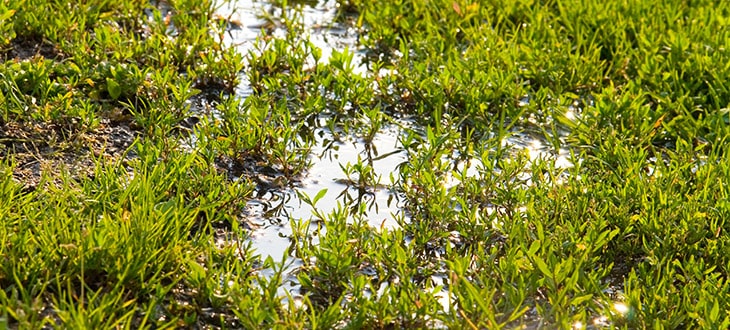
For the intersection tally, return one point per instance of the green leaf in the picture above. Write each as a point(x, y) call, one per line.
point(715, 312)
point(196, 272)
point(580, 299)
point(542, 266)
point(6, 15)
point(113, 88)
point(517, 313)
point(397, 151)
point(540, 231)
point(319, 196)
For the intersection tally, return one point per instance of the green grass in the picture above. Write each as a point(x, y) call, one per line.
point(99, 231)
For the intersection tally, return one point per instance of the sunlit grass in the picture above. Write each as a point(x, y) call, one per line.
point(146, 229)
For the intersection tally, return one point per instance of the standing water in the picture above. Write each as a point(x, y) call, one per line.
point(272, 210)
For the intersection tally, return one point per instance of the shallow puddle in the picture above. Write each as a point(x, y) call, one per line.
point(270, 213)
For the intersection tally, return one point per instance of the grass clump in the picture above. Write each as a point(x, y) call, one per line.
point(110, 213)
point(118, 212)
point(549, 248)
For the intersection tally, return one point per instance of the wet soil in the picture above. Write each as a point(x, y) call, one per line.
point(23, 48)
point(39, 147)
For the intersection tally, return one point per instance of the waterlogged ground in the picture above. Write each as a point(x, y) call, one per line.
point(271, 211)
point(364, 164)
point(331, 155)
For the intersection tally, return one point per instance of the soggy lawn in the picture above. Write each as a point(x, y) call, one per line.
point(422, 164)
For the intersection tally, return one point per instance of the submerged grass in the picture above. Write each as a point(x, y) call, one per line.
point(122, 203)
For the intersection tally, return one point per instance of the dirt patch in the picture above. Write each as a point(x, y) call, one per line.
point(44, 148)
point(25, 48)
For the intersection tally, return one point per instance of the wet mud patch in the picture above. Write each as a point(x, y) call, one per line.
point(23, 48)
point(39, 148)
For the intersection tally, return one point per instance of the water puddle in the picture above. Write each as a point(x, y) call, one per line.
point(336, 161)
point(272, 212)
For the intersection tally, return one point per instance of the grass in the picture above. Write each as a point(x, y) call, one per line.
point(116, 213)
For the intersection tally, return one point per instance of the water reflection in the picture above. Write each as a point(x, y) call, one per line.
point(332, 160)
point(379, 204)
